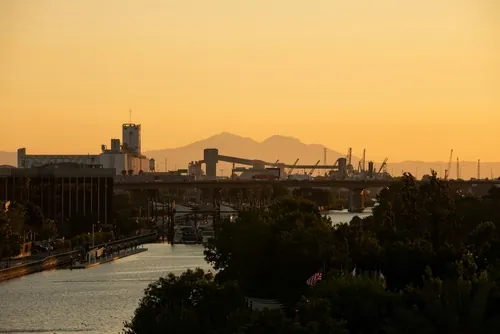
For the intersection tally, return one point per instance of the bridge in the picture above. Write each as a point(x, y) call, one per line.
point(356, 187)
point(213, 184)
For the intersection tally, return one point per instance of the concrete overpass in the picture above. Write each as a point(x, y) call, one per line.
point(356, 187)
point(348, 184)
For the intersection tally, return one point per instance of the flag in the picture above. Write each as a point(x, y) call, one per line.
point(353, 273)
point(382, 278)
point(314, 279)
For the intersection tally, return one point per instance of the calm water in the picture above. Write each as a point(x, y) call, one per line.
point(96, 300)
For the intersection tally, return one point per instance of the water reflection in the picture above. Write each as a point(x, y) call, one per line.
point(96, 300)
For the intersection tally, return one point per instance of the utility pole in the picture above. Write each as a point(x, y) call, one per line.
point(479, 169)
point(458, 168)
point(324, 157)
point(163, 220)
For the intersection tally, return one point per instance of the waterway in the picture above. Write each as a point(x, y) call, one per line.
point(96, 300)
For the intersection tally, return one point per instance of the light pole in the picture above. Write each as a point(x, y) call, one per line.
point(93, 234)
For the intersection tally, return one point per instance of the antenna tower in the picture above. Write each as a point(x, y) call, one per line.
point(324, 156)
point(130, 116)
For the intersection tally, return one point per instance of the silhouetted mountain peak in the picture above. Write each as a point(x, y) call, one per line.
point(282, 140)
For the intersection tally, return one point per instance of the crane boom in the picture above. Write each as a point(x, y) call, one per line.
point(448, 169)
point(293, 166)
point(314, 168)
point(349, 156)
point(383, 165)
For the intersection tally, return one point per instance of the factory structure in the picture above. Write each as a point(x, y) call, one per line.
point(248, 169)
point(124, 156)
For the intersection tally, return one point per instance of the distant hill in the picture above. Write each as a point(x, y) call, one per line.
point(287, 150)
point(8, 158)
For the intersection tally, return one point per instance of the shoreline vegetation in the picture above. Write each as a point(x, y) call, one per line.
point(426, 261)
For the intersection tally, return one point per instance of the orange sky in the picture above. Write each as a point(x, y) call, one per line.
point(403, 79)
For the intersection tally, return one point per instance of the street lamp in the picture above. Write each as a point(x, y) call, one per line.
point(93, 233)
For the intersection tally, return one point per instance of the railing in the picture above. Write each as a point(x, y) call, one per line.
point(146, 237)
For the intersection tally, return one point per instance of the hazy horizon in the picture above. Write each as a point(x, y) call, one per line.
point(357, 152)
point(406, 80)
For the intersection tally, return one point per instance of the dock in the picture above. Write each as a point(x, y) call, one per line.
point(111, 258)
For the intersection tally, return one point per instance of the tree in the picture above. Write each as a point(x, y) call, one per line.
point(33, 216)
point(414, 226)
point(361, 302)
point(11, 229)
point(191, 303)
point(271, 253)
point(439, 252)
point(464, 305)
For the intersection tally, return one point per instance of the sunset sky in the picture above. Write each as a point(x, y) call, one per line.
point(404, 79)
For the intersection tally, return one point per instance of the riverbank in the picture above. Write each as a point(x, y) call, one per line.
point(108, 259)
point(50, 262)
point(54, 261)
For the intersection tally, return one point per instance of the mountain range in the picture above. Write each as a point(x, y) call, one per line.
point(287, 150)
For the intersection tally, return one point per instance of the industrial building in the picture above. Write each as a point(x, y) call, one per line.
point(62, 191)
point(125, 157)
point(259, 169)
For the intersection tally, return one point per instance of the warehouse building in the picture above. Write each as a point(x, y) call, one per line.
point(125, 157)
point(62, 190)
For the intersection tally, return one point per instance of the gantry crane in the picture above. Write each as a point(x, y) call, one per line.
point(314, 168)
point(447, 170)
point(293, 166)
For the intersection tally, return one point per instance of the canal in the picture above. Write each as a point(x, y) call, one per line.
point(96, 300)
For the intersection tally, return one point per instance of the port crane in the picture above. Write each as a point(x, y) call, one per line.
point(348, 157)
point(314, 168)
point(383, 166)
point(448, 169)
point(293, 167)
point(362, 162)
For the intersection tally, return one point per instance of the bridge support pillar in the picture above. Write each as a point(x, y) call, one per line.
point(356, 200)
point(198, 196)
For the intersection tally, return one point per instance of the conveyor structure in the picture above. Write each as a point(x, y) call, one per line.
point(211, 157)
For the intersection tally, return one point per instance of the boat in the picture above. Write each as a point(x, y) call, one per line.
point(207, 234)
point(185, 235)
point(189, 235)
point(178, 235)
